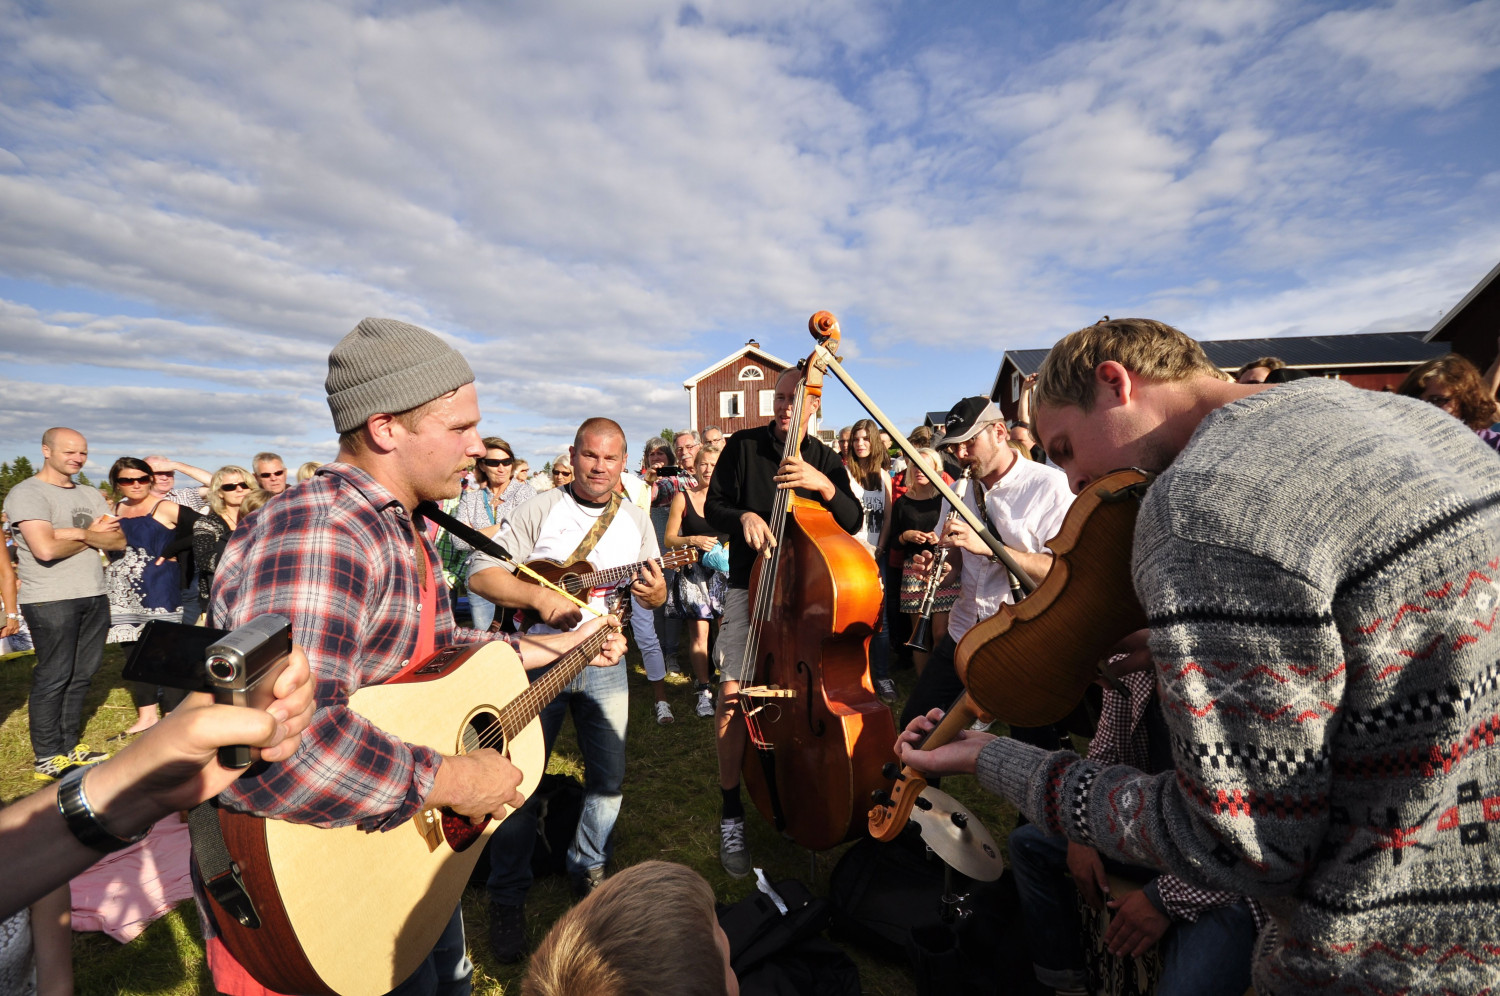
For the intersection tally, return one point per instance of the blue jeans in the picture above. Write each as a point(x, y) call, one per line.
point(447, 970)
point(482, 610)
point(599, 702)
point(1206, 957)
point(69, 638)
point(643, 628)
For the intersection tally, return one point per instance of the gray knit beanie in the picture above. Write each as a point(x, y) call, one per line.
point(386, 366)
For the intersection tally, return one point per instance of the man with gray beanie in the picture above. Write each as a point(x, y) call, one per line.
point(341, 557)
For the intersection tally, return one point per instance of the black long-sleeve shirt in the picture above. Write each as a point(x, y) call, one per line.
point(743, 482)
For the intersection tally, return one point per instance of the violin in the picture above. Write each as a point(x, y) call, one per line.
point(818, 734)
point(1031, 663)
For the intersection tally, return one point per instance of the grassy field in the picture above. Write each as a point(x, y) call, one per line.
point(670, 813)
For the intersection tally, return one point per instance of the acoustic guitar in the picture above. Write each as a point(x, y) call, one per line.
point(352, 913)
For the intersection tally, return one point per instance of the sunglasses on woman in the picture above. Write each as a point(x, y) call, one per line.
point(132, 480)
point(503, 462)
point(242, 486)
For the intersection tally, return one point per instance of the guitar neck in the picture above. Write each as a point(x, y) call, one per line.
point(525, 707)
point(611, 576)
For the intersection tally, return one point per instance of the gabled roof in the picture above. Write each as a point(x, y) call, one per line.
point(1438, 330)
point(1369, 349)
point(747, 349)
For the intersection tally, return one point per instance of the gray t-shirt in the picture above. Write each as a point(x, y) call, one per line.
point(78, 576)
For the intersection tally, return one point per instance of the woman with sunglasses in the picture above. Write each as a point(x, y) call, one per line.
point(485, 506)
point(226, 496)
point(562, 471)
point(141, 583)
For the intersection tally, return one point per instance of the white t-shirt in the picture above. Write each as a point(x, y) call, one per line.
point(1027, 507)
point(551, 525)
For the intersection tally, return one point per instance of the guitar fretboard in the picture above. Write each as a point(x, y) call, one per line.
point(612, 576)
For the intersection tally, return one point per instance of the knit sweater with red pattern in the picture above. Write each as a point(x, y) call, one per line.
point(1319, 568)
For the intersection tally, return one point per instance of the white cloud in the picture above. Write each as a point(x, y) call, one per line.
point(595, 200)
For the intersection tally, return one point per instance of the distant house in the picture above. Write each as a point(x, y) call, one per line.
point(1472, 327)
point(735, 393)
point(1374, 360)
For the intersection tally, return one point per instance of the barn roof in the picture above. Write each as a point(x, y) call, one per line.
point(749, 348)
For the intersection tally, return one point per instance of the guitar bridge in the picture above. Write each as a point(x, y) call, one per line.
point(429, 825)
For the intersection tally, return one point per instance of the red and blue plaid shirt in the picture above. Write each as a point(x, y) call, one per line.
point(337, 556)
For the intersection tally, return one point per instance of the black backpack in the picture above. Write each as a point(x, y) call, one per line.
point(887, 898)
point(785, 954)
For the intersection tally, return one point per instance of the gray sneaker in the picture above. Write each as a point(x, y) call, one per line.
point(734, 853)
point(886, 689)
point(705, 706)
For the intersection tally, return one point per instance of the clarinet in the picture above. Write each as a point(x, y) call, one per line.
point(921, 638)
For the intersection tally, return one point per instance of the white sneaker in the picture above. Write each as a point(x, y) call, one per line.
point(663, 713)
point(705, 706)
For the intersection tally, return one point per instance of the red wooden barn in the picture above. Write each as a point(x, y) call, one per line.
point(735, 393)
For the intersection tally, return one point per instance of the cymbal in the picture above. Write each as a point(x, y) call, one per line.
point(957, 836)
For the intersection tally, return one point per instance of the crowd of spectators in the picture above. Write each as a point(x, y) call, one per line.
point(86, 567)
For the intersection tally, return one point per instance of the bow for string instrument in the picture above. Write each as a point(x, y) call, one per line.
point(818, 733)
point(1030, 663)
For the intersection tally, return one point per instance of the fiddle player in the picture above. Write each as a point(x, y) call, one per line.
point(740, 498)
point(1321, 629)
point(1024, 506)
point(341, 557)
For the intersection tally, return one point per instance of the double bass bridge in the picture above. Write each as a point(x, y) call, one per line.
point(759, 698)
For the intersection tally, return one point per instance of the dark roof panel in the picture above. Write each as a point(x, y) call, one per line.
point(1325, 350)
point(1364, 349)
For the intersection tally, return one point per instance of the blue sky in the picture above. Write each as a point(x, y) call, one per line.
point(596, 200)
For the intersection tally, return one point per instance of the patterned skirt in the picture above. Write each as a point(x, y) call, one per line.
point(697, 592)
point(914, 586)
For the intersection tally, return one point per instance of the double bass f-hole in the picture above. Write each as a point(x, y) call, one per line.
point(817, 726)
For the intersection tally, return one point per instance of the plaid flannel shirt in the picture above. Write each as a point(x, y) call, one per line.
point(454, 559)
point(1121, 739)
point(337, 556)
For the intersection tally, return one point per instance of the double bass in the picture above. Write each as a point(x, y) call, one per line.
point(818, 733)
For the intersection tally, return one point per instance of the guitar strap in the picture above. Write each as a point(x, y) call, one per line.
point(596, 533)
point(479, 541)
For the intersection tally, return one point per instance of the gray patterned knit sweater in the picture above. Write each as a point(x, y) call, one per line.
point(1319, 567)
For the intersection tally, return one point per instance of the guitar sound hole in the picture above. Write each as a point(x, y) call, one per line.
point(481, 731)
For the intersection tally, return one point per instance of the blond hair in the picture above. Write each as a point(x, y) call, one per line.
point(254, 499)
point(612, 943)
point(215, 496)
point(1145, 347)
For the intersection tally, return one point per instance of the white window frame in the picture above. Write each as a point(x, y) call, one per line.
point(767, 401)
point(752, 373)
point(734, 400)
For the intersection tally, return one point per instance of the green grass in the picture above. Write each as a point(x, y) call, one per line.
point(670, 813)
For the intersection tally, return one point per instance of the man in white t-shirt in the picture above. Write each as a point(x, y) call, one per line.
point(1024, 505)
point(552, 525)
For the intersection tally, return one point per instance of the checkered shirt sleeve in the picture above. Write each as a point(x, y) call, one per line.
point(189, 497)
point(1184, 901)
point(336, 555)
